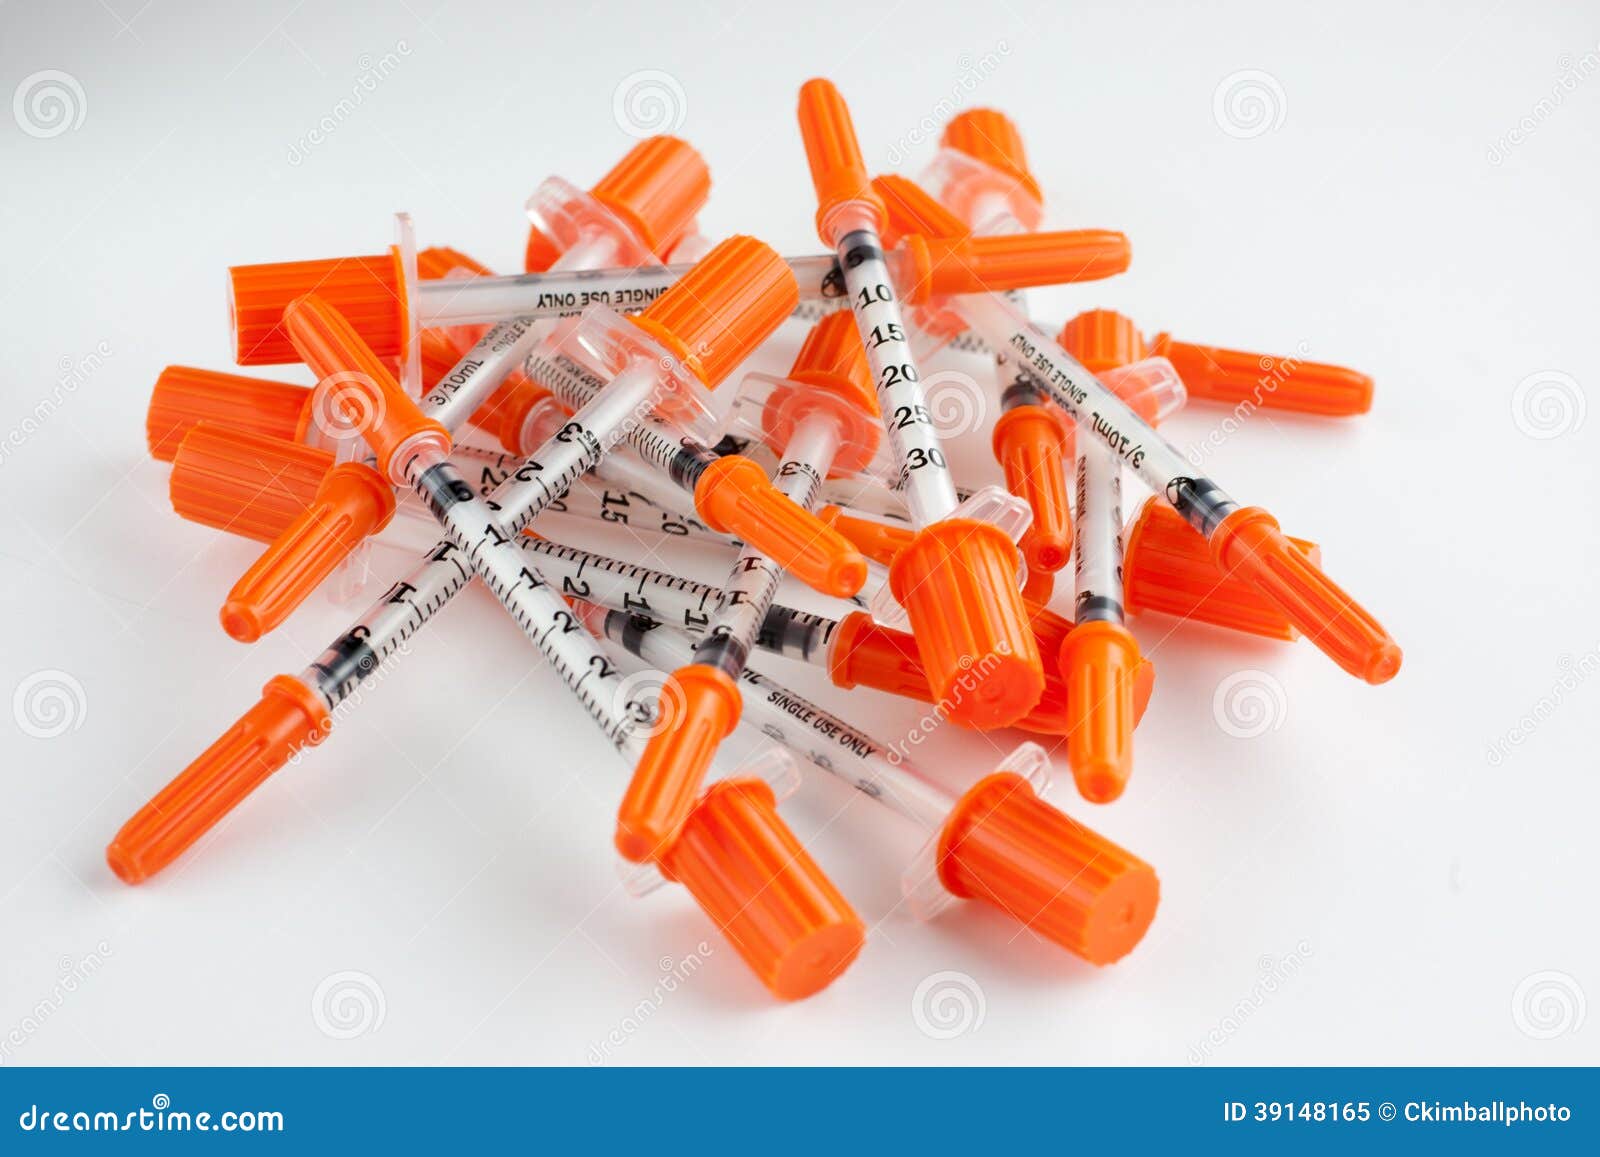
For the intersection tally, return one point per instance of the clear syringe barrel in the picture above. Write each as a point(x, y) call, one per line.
point(560, 293)
point(802, 726)
point(924, 472)
point(1098, 546)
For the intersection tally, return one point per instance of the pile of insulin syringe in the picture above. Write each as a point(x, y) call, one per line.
point(464, 404)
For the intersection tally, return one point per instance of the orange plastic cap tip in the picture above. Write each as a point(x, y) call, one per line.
point(1249, 544)
point(699, 706)
point(832, 358)
point(761, 887)
point(838, 172)
point(1274, 383)
point(352, 502)
point(734, 496)
point(727, 305)
point(1032, 444)
point(957, 581)
point(244, 483)
point(1100, 662)
point(657, 188)
point(879, 541)
point(288, 716)
point(1102, 339)
point(1005, 846)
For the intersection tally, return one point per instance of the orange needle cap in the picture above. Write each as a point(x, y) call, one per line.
point(734, 496)
point(957, 581)
point(753, 878)
point(1004, 845)
point(289, 716)
point(1100, 661)
point(699, 708)
point(351, 503)
point(1249, 544)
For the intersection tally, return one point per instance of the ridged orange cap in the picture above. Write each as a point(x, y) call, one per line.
point(1102, 339)
point(352, 503)
point(1099, 661)
point(838, 171)
point(832, 358)
point(699, 708)
point(360, 382)
point(727, 305)
point(734, 496)
point(248, 484)
point(760, 886)
point(1005, 846)
point(657, 188)
point(834, 377)
point(1167, 568)
point(879, 541)
point(958, 262)
point(957, 581)
point(1025, 260)
point(1249, 545)
point(992, 137)
point(289, 716)
point(185, 396)
point(1273, 383)
point(864, 654)
point(1033, 444)
point(368, 290)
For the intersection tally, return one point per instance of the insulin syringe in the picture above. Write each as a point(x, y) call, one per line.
point(1244, 540)
point(816, 417)
point(997, 841)
point(958, 580)
point(742, 864)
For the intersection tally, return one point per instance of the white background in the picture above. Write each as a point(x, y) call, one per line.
point(452, 842)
